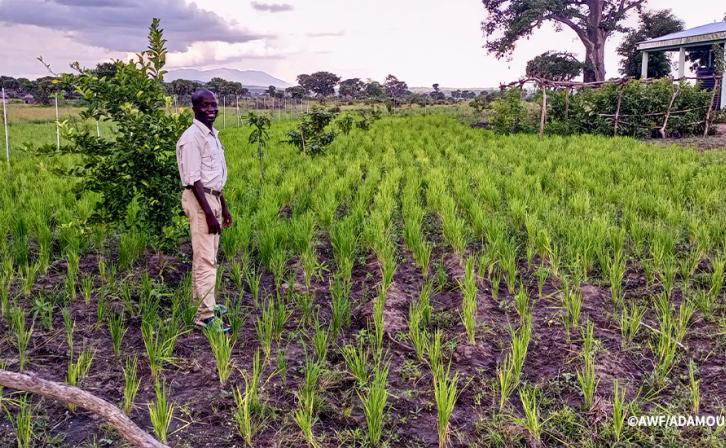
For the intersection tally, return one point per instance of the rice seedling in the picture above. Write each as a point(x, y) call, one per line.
point(418, 335)
point(445, 392)
point(340, 306)
point(531, 420)
point(685, 312)
point(542, 274)
point(102, 310)
point(630, 319)
point(356, 359)
point(255, 383)
point(131, 383)
point(161, 411)
point(521, 301)
point(159, 339)
point(703, 301)
point(265, 326)
point(320, 343)
point(305, 416)
point(586, 377)
point(235, 317)
point(22, 422)
point(43, 310)
point(619, 410)
point(616, 271)
point(22, 334)
point(242, 414)
point(87, 288)
point(469, 302)
point(68, 326)
point(221, 345)
point(509, 370)
point(78, 370)
point(125, 293)
point(572, 303)
point(374, 403)
point(5, 281)
point(253, 277)
point(30, 272)
point(717, 276)
point(282, 364)
point(666, 343)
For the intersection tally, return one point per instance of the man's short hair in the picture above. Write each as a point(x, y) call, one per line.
point(198, 95)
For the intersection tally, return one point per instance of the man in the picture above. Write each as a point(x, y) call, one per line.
point(203, 172)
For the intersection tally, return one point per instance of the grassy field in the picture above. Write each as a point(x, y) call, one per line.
point(421, 284)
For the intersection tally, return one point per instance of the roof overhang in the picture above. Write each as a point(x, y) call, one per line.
point(690, 41)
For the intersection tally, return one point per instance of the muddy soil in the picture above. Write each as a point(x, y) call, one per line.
point(203, 416)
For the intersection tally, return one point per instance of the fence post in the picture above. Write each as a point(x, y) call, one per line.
point(224, 112)
point(57, 124)
point(676, 91)
point(617, 110)
point(543, 114)
point(707, 124)
point(5, 124)
point(236, 107)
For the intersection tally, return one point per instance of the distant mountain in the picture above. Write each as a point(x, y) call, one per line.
point(248, 78)
point(448, 90)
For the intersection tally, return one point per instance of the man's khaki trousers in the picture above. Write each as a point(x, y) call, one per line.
point(204, 252)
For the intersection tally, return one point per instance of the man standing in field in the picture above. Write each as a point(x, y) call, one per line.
point(203, 172)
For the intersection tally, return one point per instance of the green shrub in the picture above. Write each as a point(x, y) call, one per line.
point(139, 160)
point(509, 114)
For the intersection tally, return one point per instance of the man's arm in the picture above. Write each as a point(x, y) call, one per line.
point(212, 223)
point(226, 216)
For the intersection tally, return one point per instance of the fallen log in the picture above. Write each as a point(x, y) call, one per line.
point(69, 394)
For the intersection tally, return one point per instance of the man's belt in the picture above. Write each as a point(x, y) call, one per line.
point(206, 190)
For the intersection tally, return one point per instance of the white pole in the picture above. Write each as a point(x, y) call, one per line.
point(5, 123)
point(57, 124)
point(224, 112)
point(644, 66)
point(98, 129)
point(236, 106)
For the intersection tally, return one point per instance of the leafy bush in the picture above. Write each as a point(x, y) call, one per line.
point(642, 109)
point(312, 135)
point(592, 111)
point(510, 114)
point(139, 161)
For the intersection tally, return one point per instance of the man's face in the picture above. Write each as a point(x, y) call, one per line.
point(206, 110)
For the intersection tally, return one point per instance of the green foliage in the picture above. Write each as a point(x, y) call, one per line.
point(510, 114)
point(312, 135)
point(260, 134)
point(558, 66)
point(139, 161)
point(642, 109)
point(652, 24)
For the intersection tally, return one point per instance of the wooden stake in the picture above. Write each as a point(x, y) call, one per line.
point(617, 111)
point(710, 106)
point(57, 124)
point(543, 114)
point(69, 394)
point(5, 123)
point(676, 90)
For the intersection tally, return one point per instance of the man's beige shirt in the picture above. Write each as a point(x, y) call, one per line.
point(200, 156)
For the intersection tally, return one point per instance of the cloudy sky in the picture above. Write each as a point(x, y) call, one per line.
point(420, 41)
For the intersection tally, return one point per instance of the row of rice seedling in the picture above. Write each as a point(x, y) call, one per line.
point(566, 212)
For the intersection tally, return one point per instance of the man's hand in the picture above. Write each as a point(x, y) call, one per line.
point(212, 223)
point(226, 218)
